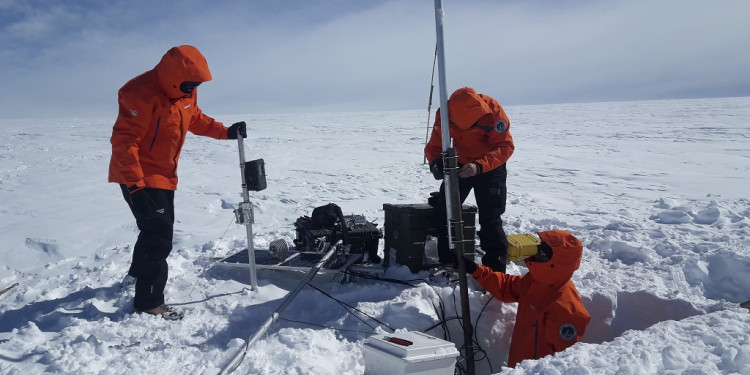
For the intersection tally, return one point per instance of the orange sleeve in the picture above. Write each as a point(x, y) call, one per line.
point(502, 149)
point(130, 127)
point(434, 146)
point(501, 144)
point(505, 288)
point(561, 319)
point(206, 126)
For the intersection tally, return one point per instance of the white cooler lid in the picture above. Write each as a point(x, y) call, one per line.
point(423, 346)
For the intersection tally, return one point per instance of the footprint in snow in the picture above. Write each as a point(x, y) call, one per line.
point(46, 246)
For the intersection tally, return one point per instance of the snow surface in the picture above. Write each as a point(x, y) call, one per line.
point(656, 191)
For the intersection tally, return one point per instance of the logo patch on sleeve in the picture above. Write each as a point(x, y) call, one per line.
point(501, 126)
point(568, 332)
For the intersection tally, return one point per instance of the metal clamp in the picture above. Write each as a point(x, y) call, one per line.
point(244, 214)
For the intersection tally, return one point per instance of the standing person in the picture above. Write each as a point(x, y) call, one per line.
point(480, 130)
point(157, 108)
point(551, 316)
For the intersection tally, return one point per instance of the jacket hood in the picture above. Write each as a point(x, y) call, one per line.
point(567, 251)
point(466, 107)
point(180, 64)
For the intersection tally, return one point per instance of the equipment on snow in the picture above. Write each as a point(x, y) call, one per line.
point(237, 359)
point(295, 261)
point(329, 224)
point(255, 175)
point(407, 227)
point(359, 237)
point(522, 246)
point(409, 353)
point(325, 217)
point(279, 249)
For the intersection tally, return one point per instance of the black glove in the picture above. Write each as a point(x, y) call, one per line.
point(433, 199)
point(237, 128)
point(470, 266)
point(436, 167)
point(142, 203)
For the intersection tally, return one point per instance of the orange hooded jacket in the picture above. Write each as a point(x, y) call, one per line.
point(154, 118)
point(488, 148)
point(551, 316)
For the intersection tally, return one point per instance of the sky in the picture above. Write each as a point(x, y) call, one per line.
point(68, 59)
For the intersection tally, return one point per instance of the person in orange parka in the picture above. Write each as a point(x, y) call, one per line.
point(551, 316)
point(480, 130)
point(157, 109)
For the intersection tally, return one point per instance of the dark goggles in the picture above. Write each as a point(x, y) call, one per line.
point(544, 253)
point(187, 87)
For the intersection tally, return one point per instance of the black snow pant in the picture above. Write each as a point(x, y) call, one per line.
point(149, 264)
point(491, 193)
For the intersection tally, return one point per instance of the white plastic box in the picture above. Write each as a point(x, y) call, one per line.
point(425, 355)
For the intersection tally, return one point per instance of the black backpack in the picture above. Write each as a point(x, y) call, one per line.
point(325, 217)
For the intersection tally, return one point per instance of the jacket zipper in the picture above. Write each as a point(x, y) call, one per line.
point(177, 155)
point(156, 132)
point(536, 338)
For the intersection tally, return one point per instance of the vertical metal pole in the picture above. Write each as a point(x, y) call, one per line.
point(440, 50)
point(429, 103)
point(452, 195)
point(248, 220)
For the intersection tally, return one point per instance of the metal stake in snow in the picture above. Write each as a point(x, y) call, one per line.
point(452, 198)
point(8, 288)
point(244, 215)
point(237, 359)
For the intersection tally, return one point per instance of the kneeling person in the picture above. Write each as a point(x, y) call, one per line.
point(551, 316)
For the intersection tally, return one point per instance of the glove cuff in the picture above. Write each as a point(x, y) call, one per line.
point(479, 167)
point(470, 266)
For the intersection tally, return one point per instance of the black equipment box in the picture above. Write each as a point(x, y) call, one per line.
point(408, 225)
point(255, 175)
point(362, 235)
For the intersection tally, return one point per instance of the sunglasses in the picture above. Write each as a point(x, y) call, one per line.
point(187, 87)
point(544, 253)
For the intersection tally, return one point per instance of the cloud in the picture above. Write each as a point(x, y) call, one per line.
point(69, 58)
point(611, 50)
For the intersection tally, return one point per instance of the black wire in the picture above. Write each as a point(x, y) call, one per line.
point(347, 307)
point(323, 326)
point(444, 321)
point(441, 313)
point(476, 323)
point(370, 277)
point(455, 306)
point(440, 323)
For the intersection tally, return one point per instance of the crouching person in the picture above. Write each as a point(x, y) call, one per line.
point(551, 316)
